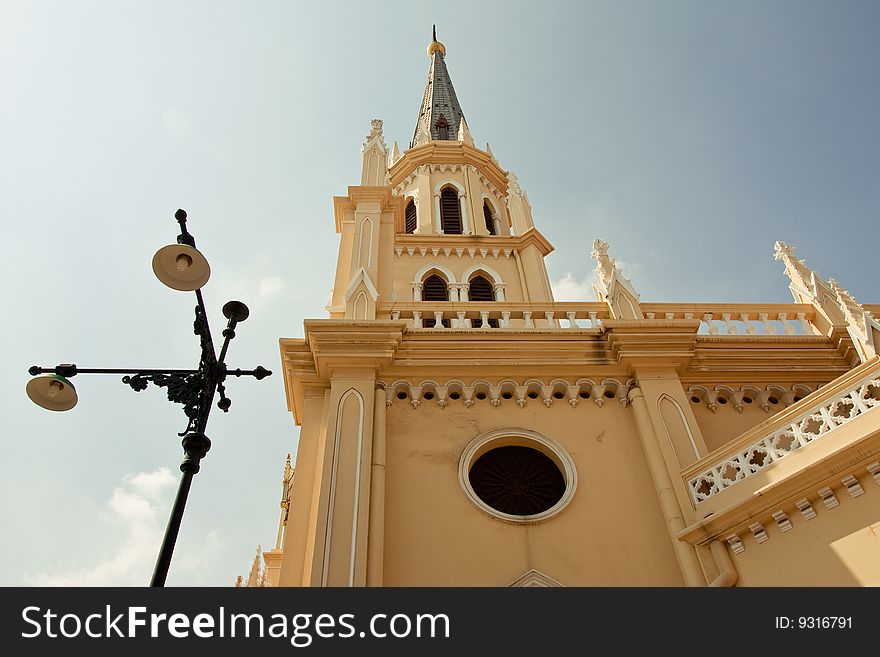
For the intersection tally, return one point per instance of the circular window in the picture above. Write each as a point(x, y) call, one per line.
point(517, 475)
point(517, 480)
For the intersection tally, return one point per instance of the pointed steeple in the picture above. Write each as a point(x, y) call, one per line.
point(440, 116)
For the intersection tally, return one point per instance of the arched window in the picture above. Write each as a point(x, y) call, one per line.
point(450, 211)
point(482, 290)
point(434, 289)
point(410, 214)
point(490, 221)
point(442, 128)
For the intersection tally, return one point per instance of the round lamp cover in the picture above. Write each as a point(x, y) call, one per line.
point(52, 392)
point(181, 267)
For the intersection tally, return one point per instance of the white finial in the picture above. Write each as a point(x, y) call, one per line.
point(395, 155)
point(464, 134)
point(490, 153)
point(375, 137)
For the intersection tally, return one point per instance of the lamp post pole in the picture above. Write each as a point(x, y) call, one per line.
point(180, 267)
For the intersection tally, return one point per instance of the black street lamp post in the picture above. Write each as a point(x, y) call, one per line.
point(181, 267)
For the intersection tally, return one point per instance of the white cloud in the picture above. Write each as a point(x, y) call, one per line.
point(629, 269)
point(139, 509)
point(569, 289)
point(270, 286)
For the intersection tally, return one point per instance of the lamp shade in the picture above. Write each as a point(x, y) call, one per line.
point(181, 267)
point(52, 392)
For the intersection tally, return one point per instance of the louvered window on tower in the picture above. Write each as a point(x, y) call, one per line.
point(450, 212)
point(487, 215)
point(410, 215)
point(482, 290)
point(434, 289)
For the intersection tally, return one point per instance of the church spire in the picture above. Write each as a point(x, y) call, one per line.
point(440, 116)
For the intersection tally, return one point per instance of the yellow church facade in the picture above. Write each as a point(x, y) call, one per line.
point(459, 427)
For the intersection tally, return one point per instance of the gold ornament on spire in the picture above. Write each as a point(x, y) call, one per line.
point(435, 45)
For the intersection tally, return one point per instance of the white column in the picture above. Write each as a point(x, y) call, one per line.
point(464, 289)
point(499, 292)
point(453, 291)
point(417, 291)
point(438, 226)
point(465, 222)
point(496, 223)
point(376, 532)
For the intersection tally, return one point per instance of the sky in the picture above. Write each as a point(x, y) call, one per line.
point(690, 135)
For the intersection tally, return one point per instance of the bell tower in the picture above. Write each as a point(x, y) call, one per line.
point(460, 427)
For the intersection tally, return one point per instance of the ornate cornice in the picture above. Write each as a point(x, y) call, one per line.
point(449, 152)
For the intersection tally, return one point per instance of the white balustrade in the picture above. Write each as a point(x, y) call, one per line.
point(813, 424)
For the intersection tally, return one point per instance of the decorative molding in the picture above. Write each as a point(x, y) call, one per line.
point(853, 487)
point(782, 521)
point(340, 409)
point(535, 578)
point(829, 499)
point(735, 543)
point(758, 532)
point(508, 390)
point(806, 509)
point(765, 397)
point(361, 277)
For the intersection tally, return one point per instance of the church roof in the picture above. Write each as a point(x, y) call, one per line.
point(439, 100)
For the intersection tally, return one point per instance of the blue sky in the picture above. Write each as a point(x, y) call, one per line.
point(689, 135)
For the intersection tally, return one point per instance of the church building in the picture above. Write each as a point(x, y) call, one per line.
point(459, 427)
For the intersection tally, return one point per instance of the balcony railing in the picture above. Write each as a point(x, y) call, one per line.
point(739, 318)
point(715, 319)
point(476, 314)
point(811, 419)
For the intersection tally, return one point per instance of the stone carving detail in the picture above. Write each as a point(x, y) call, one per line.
point(535, 578)
point(796, 269)
point(782, 521)
point(758, 532)
point(812, 425)
point(741, 397)
point(808, 287)
point(735, 543)
point(375, 137)
point(853, 487)
point(829, 499)
point(806, 509)
point(509, 391)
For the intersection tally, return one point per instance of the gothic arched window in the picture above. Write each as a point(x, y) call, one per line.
point(411, 218)
point(482, 290)
point(434, 289)
point(450, 211)
point(490, 221)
